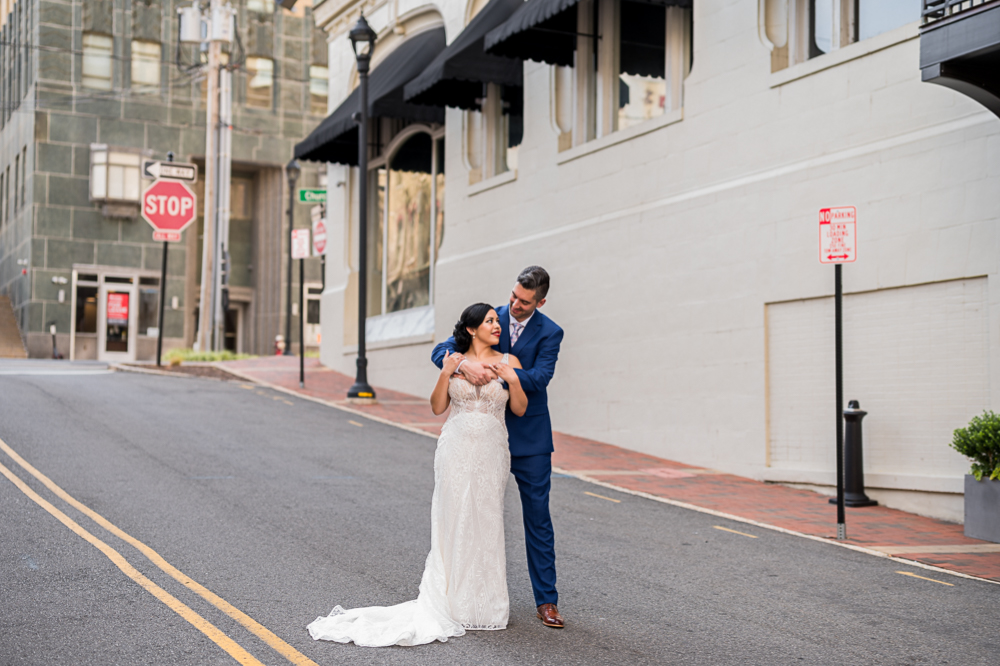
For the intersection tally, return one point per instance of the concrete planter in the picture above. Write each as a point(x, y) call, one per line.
point(982, 509)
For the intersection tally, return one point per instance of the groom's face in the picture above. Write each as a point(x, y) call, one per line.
point(522, 302)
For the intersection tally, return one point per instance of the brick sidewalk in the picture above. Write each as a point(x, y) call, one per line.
point(888, 531)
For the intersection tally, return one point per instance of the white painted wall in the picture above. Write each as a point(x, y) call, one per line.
point(666, 248)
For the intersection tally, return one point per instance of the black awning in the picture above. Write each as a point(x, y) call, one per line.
point(456, 76)
point(336, 138)
point(546, 31)
point(541, 30)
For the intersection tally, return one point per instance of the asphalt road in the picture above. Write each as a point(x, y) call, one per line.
point(284, 508)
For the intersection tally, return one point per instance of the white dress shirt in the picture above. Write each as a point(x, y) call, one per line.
point(513, 321)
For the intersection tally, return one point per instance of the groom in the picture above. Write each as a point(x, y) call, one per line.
point(534, 339)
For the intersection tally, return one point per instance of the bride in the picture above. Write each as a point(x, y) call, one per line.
point(464, 585)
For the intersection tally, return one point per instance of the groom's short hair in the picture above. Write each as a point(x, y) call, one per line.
point(535, 278)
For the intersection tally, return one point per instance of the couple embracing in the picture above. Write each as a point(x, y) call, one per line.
point(494, 372)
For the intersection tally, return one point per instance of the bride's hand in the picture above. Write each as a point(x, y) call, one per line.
point(451, 362)
point(505, 372)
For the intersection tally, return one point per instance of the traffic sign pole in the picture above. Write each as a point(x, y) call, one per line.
point(299, 250)
point(302, 319)
point(838, 244)
point(163, 298)
point(839, 339)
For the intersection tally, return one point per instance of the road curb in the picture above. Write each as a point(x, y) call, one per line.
point(118, 367)
point(328, 403)
point(774, 528)
point(636, 493)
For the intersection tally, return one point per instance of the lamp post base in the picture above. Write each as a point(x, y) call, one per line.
point(855, 500)
point(361, 391)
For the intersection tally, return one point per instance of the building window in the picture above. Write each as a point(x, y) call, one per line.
point(406, 225)
point(145, 65)
point(17, 176)
point(493, 134)
point(634, 73)
point(97, 61)
point(837, 23)
point(260, 82)
point(86, 308)
point(24, 172)
point(149, 300)
point(319, 89)
point(261, 6)
point(114, 174)
point(802, 29)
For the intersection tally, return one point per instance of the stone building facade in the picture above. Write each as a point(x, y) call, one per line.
point(92, 87)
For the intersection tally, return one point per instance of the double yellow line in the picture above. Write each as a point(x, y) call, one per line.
point(211, 631)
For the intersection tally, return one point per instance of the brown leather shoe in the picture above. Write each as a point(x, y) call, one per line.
point(549, 615)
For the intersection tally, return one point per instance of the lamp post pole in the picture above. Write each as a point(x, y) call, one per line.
point(364, 37)
point(292, 169)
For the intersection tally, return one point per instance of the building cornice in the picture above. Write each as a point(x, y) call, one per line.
point(337, 16)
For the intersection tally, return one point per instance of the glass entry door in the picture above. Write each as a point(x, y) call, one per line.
point(116, 330)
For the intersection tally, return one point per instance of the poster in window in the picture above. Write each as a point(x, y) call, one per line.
point(117, 308)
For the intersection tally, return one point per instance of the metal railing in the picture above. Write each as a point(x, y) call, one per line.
point(936, 10)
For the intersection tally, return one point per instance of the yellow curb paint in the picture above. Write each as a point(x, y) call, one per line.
point(259, 630)
point(913, 575)
point(355, 423)
point(200, 623)
point(602, 497)
point(288, 402)
point(726, 529)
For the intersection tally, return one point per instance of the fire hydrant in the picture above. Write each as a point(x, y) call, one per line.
point(279, 345)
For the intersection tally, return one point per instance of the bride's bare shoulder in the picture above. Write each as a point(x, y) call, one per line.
point(513, 361)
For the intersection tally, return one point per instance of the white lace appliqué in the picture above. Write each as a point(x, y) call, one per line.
point(464, 586)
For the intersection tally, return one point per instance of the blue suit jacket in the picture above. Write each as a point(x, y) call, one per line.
point(537, 349)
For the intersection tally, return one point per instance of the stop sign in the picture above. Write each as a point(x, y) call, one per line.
point(169, 206)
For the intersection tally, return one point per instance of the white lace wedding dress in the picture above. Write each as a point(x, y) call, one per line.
point(464, 585)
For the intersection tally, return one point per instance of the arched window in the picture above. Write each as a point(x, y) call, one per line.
point(407, 224)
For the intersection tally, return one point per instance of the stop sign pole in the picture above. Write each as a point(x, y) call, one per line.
point(169, 206)
point(838, 245)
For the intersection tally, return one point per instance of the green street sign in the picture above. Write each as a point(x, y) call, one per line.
point(312, 196)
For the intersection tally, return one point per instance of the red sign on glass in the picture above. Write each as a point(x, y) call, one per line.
point(117, 308)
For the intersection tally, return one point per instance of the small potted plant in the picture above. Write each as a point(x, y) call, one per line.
point(980, 441)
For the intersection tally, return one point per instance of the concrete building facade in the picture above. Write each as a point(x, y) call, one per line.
point(682, 237)
point(92, 87)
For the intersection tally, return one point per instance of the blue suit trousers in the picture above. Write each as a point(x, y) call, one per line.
point(534, 479)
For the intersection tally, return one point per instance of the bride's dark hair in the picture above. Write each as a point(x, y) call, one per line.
point(472, 317)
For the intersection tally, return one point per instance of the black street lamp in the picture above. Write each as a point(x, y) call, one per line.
point(293, 170)
point(363, 42)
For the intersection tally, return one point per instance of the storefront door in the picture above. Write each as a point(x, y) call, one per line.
point(116, 326)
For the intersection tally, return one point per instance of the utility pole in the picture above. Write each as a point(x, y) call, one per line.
point(221, 25)
point(223, 179)
point(206, 318)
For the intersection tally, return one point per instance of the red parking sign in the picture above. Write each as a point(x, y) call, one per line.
point(838, 239)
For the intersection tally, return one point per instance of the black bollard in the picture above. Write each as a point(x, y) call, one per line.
point(854, 469)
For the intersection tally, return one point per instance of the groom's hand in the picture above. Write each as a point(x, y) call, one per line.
point(475, 373)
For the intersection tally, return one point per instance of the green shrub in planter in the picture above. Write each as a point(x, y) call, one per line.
point(980, 441)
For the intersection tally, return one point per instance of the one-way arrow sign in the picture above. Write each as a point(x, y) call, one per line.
point(154, 169)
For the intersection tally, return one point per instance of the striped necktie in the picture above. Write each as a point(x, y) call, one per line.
point(518, 327)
